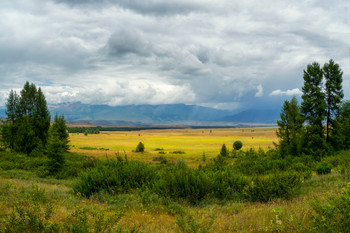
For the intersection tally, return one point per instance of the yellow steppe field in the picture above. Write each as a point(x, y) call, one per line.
point(194, 142)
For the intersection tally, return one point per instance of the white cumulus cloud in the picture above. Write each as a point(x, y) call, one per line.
point(295, 91)
point(260, 92)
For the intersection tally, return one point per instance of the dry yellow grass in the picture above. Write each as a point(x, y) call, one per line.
point(194, 142)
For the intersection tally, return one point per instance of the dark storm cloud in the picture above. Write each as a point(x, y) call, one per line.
point(226, 54)
point(126, 42)
point(146, 7)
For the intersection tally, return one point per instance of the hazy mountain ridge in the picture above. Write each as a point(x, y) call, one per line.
point(143, 113)
point(164, 114)
point(254, 116)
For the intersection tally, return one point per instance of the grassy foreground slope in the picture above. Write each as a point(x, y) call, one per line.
point(32, 201)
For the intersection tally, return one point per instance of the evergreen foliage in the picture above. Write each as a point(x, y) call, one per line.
point(321, 104)
point(59, 129)
point(223, 151)
point(340, 137)
point(10, 128)
point(290, 128)
point(55, 154)
point(140, 147)
point(334, 93)
point(314, 109)
point(27, 120)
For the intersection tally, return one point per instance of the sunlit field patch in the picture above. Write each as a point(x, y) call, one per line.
point(194, 142)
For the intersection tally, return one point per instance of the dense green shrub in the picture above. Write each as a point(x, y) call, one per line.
point(161, 159)
point(114, 177)
point(140, 147)
point(237, 145)
point(227, 185)
point(179, 152)
point(281, 185)
point(186, 183)
point(253, 164)
point(324, 168)
point(261, 163)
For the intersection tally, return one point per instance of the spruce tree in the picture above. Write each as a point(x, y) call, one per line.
point(333, 93)
point(60, 131)
point(27, 120)
point(290, 129)
point(314, 109)
point(41, 117)
point(340, 138)
point(27, 100)
point(26, 140)
point(55, 154)
point(9, 126)
point(223, 151)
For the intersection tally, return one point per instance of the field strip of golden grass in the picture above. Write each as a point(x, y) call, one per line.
point(194, 142)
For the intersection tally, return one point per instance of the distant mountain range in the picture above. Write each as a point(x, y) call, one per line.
point(164, 114)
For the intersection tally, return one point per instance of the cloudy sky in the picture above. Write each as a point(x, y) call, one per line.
point(226, 54)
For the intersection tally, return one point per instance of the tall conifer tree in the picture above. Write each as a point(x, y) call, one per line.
point(60, 131)
point(290, 129)
point(41, 116)
point(334, 93)
point(10, 128)
point(28, 120)
point(314, 109)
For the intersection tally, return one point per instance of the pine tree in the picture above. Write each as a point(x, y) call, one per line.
point(26, 140)
point(334, 93)
point(41, 117)
point(9, 126)
point(340, 138)
point(140, 147)
point(290, 129)
point(55, 154)
point(27, 100)
point(223, 151)
point(314, 109)
point(59, 129)
point(28, 120)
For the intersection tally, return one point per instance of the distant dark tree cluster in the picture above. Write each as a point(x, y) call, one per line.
point(320, 124)
point(87, 130)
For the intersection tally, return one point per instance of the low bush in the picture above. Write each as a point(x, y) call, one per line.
point(324, 168)
point(237, 145)
point(229, 186)
point(161, 159)
point(184, 183)
point(179, 152)
point(88, 148)
point(281, 185)
point(114, 177)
